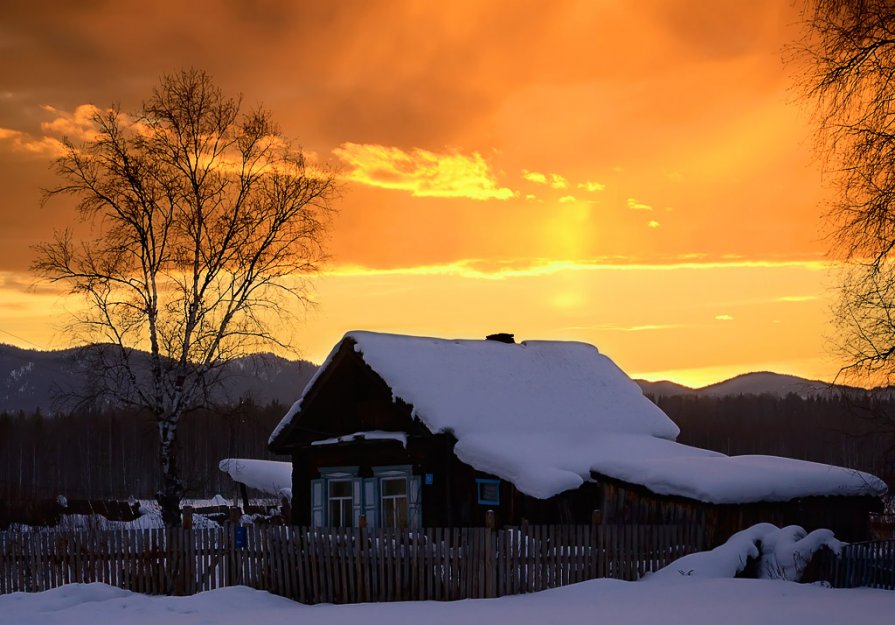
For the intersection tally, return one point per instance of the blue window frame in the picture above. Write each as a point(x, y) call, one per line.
point(487, 491)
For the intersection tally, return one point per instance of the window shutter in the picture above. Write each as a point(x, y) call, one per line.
point(414, 510)
point(318, 509)
point(357, 487)
point(371, 501)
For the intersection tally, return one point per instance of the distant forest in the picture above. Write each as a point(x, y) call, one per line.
point(114, 454)
point(854, 432)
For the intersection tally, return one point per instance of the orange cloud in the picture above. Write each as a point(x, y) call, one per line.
point(421, 172)
point(592, 186)
point(566, 199)
point(77, 125)
point(798, 298)
point(556, 181)
point(18, 141)
point(490, 269)
point(636, 205)
point(534, 176)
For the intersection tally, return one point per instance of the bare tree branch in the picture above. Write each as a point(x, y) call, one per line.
point(205, 216)
point(849, 50)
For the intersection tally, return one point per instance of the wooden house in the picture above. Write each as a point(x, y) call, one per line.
point(415, 431)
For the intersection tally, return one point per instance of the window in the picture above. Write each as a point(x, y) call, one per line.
point(391, 498)
point(336, 498)
point(394, 501)
point(341, 503)
point(488, 492)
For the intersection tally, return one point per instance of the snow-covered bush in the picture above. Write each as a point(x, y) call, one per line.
point(780, 553)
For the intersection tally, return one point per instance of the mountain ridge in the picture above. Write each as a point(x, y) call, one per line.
point(49, 381)
point(755, 383)
point(32, 380)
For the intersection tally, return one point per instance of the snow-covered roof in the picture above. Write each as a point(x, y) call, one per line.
point(543, 414)
point(268, 476)
point(545, 395)
point(669, 468)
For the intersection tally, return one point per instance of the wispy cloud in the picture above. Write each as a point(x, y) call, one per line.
point(592, 186)
point(655, 326)
point(723, 318)
point(76, 125)
point(534, 176)
point(517, 268)
point(653, 224)
point(566, 199)
point(636, 205)
point(21, 142)
point(798, 298)
point(609, 327)
point(556, 181)
point(421, 172)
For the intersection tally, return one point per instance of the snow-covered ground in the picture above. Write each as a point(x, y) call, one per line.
point(677, 601)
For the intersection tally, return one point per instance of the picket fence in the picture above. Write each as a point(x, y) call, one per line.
point(870, 564)
point(339, 565)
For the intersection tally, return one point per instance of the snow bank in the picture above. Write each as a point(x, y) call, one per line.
point(150, 518)
point(781, 554)
point(690, 602)
point(268, 476)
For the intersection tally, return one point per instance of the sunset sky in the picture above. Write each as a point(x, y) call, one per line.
point(638, 175)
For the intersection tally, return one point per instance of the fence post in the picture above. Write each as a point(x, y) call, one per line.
point(235, 515)
point(286, 511)
point(187, 513)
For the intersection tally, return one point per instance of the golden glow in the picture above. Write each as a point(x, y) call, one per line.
point(423, 173)
point(504, 167)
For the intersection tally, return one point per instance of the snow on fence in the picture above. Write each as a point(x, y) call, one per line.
point(341, 565)
point(870, 564)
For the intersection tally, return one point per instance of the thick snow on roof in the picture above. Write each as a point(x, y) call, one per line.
point(515, 409)
point(669, 468)
point(268, 476)
point(542, 414)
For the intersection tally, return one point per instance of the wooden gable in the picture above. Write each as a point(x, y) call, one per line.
point(347, 397)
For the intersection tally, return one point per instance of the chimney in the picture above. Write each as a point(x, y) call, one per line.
point(501, 337)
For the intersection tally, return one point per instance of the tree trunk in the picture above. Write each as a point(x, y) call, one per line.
point(171, 492)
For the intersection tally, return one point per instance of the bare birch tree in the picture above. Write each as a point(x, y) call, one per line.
point(204, 222)
point(849, 50)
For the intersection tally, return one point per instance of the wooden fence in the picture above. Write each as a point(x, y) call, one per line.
point(338, 565)
point(870, 564)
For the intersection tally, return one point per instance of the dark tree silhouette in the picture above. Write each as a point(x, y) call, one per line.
point(849, 51)
point(204, 218)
